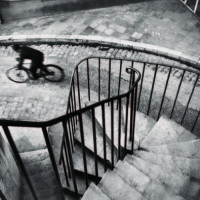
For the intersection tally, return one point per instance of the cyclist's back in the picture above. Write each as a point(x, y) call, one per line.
point(30, 53)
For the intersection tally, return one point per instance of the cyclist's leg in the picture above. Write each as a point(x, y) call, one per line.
point(33, 70)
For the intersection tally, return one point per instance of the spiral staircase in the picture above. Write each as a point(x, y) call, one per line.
point(128, 142)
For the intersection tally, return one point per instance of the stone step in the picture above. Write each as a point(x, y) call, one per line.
point(88, 137)
point(167, 131)
point(41, 173)
point(148, 188)
point(190, 149)
point(143, 126)
point(179, 184)
point(34, 156)
point(39, 167)
point(116, 188)
point(28, 139)
point(186, 166)
point(93, 192)
point(79, 166)
point(80, 181)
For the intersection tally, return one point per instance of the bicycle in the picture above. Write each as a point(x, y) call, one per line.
point(23, 74)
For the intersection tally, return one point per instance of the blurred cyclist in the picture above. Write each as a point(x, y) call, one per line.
point(37, 58)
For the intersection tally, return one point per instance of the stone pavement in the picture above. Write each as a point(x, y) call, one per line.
point(164, 23)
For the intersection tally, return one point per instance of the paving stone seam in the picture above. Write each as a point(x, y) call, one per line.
point(103, 41)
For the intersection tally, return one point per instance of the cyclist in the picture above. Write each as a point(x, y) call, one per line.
point(37, 58)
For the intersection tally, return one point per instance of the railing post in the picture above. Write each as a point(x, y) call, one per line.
point(70, 157)
point(95, 144)
point(53, 160)
point(104, 135)
point(19, 160)
point(83, 149)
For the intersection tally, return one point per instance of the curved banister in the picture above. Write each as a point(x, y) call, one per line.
point(69, 115)
point(129, 99)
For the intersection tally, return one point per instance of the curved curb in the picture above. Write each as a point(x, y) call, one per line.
point(103, 41)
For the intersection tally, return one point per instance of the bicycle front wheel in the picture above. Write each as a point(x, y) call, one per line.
point(17, 75)
point(55, 73)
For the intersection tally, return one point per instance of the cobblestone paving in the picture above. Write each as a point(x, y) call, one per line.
point(38, 105)
point(162, 23)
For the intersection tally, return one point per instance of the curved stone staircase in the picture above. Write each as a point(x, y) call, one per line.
point(165, 163)
point(165, 166)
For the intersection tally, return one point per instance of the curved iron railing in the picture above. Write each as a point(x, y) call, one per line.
point(74, 116)
point(159, 90)
point(87, 77)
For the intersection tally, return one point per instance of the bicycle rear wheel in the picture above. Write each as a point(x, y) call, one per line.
point(17, 75)
point(55, 73)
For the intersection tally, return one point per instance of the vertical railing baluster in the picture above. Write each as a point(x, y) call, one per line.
point(194, 86)
point(67, 156)
point(83, 149)
point(152, 88)
point(53, 160)
point(126, 121)
point(95, 144)
point(61, 150)
point(88, 79)
point(132, 64)
point(99, 78)
point(119, 80)
point(74, 99)
point(131, 111)
point(73, 109)
point(112, 134)
point(134, 116)
point(70, 134)
point(179, 86)
point(104, 135)
point(109, 78)
point(70, 157)
point(65, 171)
point(78, 87)
point(19, 160)
point(119, 129)
point(195, 121)
point(141, 84)
point(163, 97)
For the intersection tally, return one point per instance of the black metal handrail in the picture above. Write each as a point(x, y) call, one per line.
point(69, 122)
point(78, 109)
point(143, 87)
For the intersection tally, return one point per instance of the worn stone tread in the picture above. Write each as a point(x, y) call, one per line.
point(88, 137)
point(179, 184)
point(167, 131)
point(189, 149)
point(186, 166)
point(150, 189)
point(115, 188)
point(93, 192)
